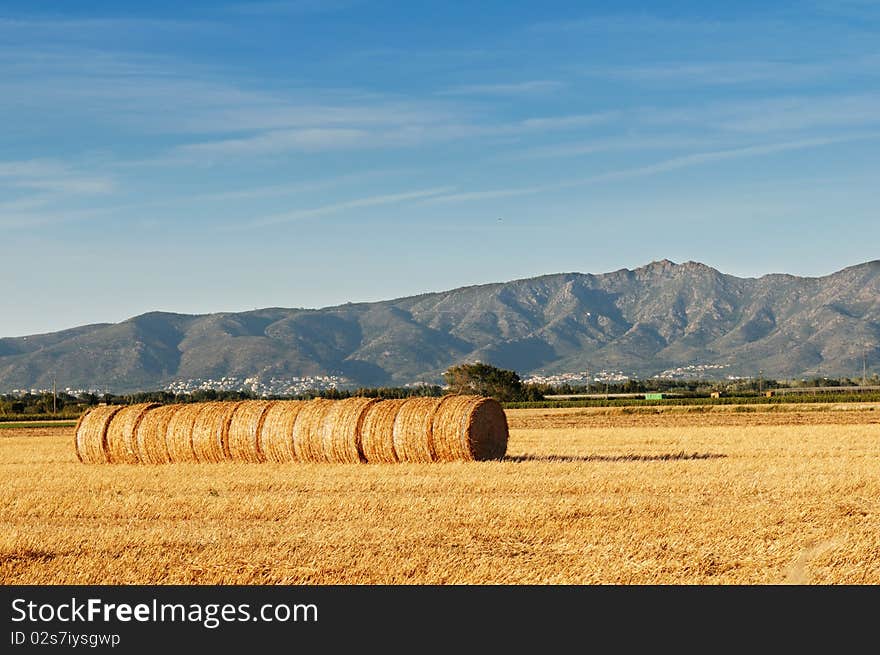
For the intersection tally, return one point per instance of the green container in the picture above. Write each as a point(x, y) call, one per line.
point(653, 396)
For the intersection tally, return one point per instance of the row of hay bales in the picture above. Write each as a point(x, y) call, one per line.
point(451, 428)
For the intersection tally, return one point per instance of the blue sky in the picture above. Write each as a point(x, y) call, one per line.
point(207, 156)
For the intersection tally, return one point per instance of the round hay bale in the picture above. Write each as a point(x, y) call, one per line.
point(91, 434)
point(470, 428)
point(308, 437)
point(448, 411)
point(211, 430)
point(341, 430)
point(412, 430)
point(377, 431)
point(149, 436)
point(244, 431)
point(121, 445)
point(178, 437)
point(275, 440)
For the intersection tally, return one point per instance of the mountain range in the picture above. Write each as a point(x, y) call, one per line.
point(642, 321)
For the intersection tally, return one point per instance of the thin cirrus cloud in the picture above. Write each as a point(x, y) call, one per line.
point(137, 90)
point(51, 176)
point(613, 144)
point(740, 72)
point(627, 23)
point(405, 135)
point(281, 7)
point(531, 87)
point(803, 113)
point(80, 30)
point(309, 140)
point(717, 73)
point(776, 114)
point(674, 163)
point(358, 203)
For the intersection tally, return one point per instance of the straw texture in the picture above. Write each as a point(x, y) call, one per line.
point(121, 446)
point(412, 430)
point(470, 428)
point(178, 437)
point(377, 431)
point(244, 430)
point(150, 435)
point(448, 429)
point(341, 430)
point(308, 431)
point(210, 431)
point(91, 434)
point(275, 440)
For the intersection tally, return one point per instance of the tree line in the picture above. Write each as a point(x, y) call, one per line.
point(472, 378)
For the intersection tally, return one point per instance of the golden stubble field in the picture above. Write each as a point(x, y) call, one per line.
point(584, 496)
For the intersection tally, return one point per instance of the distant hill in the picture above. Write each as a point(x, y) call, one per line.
point(640, 321)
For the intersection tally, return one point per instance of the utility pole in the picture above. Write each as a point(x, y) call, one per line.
point(864, 366)
point(54, 397)
point(761, 381)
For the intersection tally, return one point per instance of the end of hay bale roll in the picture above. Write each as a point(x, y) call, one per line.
point(150, 435)
point(470, 428)
point(341, 430)
point(244, 431)
point(413, 441)
point(121, 440)
point(377, 431)
point(90, 440)
point(275, 441)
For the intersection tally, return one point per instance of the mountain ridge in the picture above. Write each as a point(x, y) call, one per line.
point(640, 321)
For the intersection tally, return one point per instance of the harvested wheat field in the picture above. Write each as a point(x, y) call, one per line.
point(577, 499)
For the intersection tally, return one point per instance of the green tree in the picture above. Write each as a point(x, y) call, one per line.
point(484, 380)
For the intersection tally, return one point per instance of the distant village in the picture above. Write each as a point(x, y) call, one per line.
point(690, 372)
point(292, 386)
point(575, 379)
point(275, 386)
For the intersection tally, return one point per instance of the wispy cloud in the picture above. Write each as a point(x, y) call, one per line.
point(631, 142)
point(24, 220)
point(51, 176)
point(803, 113)
point(28, 29)
point(567, 122)
point(779, 114)
point(358, 203)
point(311, 140)
point(740, 72)
point(626, 23)
point(674, 163)
point(400, 136)
point(866, 10)
point(277, 7)
point(717, 73)
point(532, 87)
